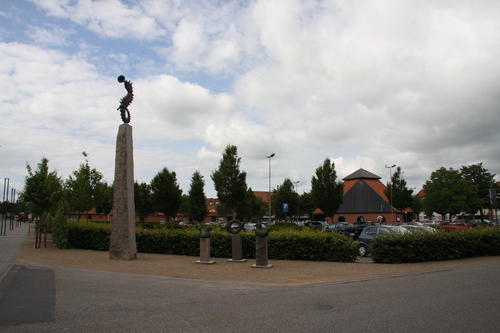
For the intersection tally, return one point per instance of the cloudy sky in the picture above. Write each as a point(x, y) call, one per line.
point(365, 83)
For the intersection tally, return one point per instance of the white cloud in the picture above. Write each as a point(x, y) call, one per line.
point(107, 18)
point(365, 83)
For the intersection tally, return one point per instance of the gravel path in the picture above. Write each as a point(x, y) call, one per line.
point(283, 272)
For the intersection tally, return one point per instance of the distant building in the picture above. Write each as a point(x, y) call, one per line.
point(364, 200)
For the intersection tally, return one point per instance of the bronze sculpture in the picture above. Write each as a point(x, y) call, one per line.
point(126, 100)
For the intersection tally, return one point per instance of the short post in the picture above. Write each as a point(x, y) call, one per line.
point(205, 247)
point(261, 250)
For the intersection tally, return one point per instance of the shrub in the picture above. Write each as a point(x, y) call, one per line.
point(60, 231)
point(89, 235)
point(420, 247)
point(286, 244)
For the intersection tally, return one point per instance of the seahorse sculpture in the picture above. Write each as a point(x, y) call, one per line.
point(126, 100)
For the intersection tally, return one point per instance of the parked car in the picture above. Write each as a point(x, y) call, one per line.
point(454, 225)
point(317, 224)
point(392, 223)
point(340, 227)
point(356, 228)
point(185, 223)
point(475, 223)
point(431, 223)
point(250, 226)
point(414, 223)
point(369, 233)
point(419, 228)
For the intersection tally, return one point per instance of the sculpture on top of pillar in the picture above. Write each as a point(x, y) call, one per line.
point(205, 246)
point(236, 240)
point(126, 100)
point(261, 247)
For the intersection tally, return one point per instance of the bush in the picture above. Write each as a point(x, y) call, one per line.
point(89, 235)
point(420, 247)
point(60, 231)
point(286, 244)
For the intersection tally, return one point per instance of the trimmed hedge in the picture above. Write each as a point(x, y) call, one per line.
point(420, 247)
point(284, 244)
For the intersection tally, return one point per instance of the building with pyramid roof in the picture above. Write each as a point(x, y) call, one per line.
point(364, 199)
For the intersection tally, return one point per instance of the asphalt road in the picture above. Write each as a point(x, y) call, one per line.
point(464, 299)
point(51, 299)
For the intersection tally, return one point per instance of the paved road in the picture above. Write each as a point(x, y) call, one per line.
point(464, 299)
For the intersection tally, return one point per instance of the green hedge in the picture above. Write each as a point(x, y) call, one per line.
point(420, 247)
point(283, 244)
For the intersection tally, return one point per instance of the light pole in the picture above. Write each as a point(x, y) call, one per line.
point(269, 193)
point(390, 177)
point(296, 190)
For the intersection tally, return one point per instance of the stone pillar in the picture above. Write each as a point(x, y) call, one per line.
point(237, 248)
point(122, 244)
point(205, 252)
point(261, 247)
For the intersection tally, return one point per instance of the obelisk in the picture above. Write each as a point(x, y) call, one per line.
point(122, 244)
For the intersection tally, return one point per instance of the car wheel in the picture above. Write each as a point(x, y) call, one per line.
point(363, 251)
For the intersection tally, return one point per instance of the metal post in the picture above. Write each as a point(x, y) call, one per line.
point(269, 193)
point(5, 200)
point(392, 185)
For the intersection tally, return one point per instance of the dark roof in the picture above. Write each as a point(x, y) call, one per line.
point(362, 198)
point(361, 174)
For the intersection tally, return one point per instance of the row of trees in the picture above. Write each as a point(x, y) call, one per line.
point(447, 192)
point(45, 191)
point(84, 190)
point(236, 198)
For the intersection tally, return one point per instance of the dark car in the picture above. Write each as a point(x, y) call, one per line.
point(356, 228)
point(369, 233)
point(340, 227)
point(317, 224)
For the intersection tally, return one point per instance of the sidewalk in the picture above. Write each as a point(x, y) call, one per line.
point(10, 244)
point(283, 272)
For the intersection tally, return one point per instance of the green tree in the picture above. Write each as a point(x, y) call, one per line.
point(82, 187)
point(252, 207)
point(447, 192)
point(166, 194)
point(484, 180)
point(306, 206)
point(142, 200)
point(398, 192)
point(229, 181)
point(42, 189)
point(103, 198)
point(285, 193)
point(60, 231)
point(417, 206)
point(184, 207)
point(222, 210)
point(327, 193)
point(197, 201)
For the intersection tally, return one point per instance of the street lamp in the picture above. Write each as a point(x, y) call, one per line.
point(269, 193)
point(390, 177)
point(298, 181)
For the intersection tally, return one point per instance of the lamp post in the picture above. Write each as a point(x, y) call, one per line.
point(296, 190)
point(269, 193)
point(390, 177)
